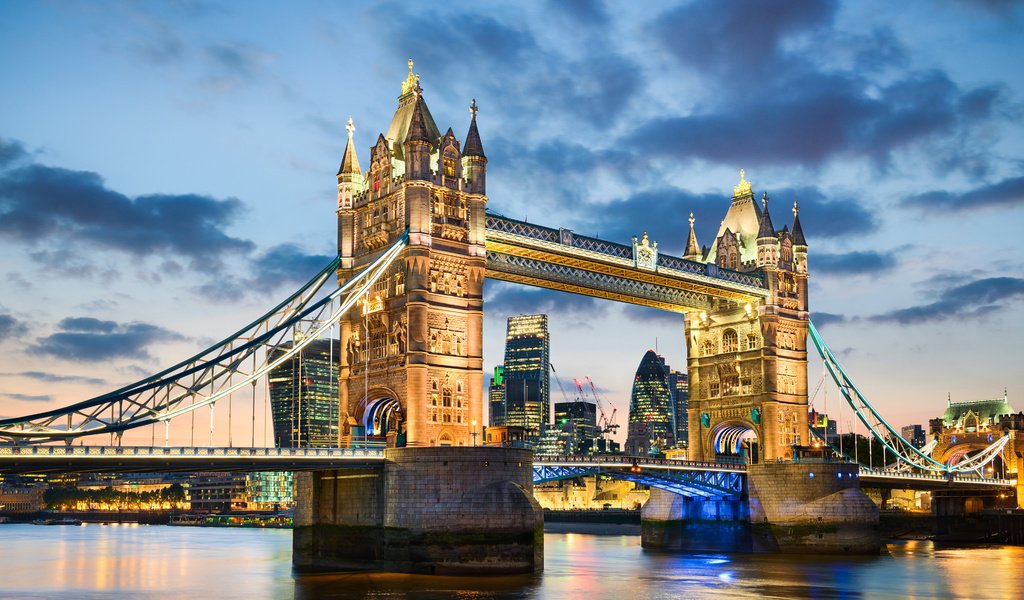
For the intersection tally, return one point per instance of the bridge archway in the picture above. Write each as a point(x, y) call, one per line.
point(735, 440)
point(384, 417)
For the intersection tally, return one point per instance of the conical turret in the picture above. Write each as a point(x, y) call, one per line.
point(417, 141)
point(798, 230)
point(766, 229)
point(349, 174)
point(693, 251)
point(473, 158)
point(767, 238)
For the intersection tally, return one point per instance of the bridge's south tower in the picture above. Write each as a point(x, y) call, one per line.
point(748, 363)
point(411, 361)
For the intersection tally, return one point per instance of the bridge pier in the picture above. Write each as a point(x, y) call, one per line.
point(812, 507)
point(670, 521)
point(437, 510)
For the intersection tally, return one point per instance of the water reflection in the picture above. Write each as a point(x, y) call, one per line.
point(99, 561)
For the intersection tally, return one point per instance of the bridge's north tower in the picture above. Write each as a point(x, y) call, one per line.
point(748, 362)
point(411, 363)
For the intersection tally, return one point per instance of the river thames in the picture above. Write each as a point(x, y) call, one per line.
point(151, 562)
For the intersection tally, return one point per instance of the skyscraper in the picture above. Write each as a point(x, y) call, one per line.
point(496, 397)
point(679, 387)
point(579, 420)
point(304, 396)
point(527, 376)
point(651, 429)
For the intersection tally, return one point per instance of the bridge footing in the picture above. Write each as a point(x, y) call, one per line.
point(803, 508)
point(428, 510)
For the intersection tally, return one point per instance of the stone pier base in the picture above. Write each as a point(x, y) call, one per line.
point(673, 522)
point(461, 510)
point(807, 507)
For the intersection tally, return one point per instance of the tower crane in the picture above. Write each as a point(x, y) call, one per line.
point(605, 424)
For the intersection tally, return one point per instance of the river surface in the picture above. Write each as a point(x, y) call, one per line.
point(151, 562)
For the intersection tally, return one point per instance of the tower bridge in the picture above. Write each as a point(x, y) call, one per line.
point(416, 241)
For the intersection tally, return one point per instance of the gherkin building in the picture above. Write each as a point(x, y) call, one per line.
point(651, 428)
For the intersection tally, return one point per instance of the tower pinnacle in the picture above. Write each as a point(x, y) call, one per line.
point(766, 230)
point(412, 81)
point(693, 251)
point(798, 230)
point(474, 147)
point(350, 160)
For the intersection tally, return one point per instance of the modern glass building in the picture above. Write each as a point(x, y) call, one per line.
point(304, 396)
point(496, 398)
point(679, 387)
point(651, 426)
point(527, 375)
point(579, 420)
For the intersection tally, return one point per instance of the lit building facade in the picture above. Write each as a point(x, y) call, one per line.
point(527, 373)
point(679, 387)
point(496, 398)
point(304, 396)
point(824, 427)
point(913, 434)
point(651, 427)
point(578, 419)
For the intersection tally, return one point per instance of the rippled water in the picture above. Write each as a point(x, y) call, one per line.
point(102, 561)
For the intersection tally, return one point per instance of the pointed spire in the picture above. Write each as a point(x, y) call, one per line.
point(766, 230)
point(418, 125)
point(350, 160)
point(692, 248)
point(473, 145)
point(798, 231)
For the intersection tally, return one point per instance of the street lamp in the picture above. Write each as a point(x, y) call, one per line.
point(472, 431)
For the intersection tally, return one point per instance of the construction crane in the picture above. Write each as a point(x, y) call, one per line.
point(605, 424)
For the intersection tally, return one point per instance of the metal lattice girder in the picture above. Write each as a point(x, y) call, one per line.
point(702, 483)
point(554, 259)
point(229, 366)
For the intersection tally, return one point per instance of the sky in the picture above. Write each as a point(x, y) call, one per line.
point(167, 170)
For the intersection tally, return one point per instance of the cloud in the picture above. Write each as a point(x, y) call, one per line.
point(11, 327)
point(824, 319)
point(27, 397)
point(91, 340)
point(1006, 193)
point(866, 262)
point(284, 265)
point(11, 151)
point(56, 378)
point(977, 299)
point(44, 205)
point(654, 316)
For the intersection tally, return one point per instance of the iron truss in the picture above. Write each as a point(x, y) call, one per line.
point(904, 451)
point(229, 366)
point(558, 259)
point(691, 483)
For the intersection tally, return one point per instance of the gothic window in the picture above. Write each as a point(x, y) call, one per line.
point(446, 397)
point(449, 166)
point(751, 341)
point(433, 399)
point(458, 386)
point(458, 418)
point(438, 204)
point(730, 385)
point(730, 342)
point(707, 348)
point(376, 183)
point(458, 286)
point(715, 390)
point(433, 385)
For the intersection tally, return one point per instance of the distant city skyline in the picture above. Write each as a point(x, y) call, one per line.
point(167, 172)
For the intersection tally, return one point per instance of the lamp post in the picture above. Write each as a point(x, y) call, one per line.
point(472, 431)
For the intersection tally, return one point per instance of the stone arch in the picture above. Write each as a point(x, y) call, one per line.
point(735, 439)
point(382, 413)
point(445, 439)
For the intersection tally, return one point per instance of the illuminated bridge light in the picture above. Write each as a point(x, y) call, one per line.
point(811, 475)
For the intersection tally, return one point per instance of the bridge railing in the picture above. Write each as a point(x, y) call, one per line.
point(948, 477)
point(626, 461)
point(189, 452)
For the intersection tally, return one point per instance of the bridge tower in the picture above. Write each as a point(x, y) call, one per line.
point(412, 363)
point(748, 362)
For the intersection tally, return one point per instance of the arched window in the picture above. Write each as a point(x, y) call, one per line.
point(446, 397)
point(751, 341)
point(446, 440)
point(730, 341)
point(707, 348)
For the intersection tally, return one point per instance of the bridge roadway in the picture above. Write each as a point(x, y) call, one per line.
point(701, 478)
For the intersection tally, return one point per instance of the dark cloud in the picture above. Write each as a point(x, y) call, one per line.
point(866, 262)
point(40, 204)
point(237, 61)
point(508, 299)
point(824, 319)
point(27, 397)
point(11, 328)
point(589, 12)
point(284, 265)
point(976, 299)
point(654, 316)
point(55, 378)
point(536, 80)
point(1006, 193)
point(797, 91)
point(11, 151)
point(91, 340)
point(741, 43)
